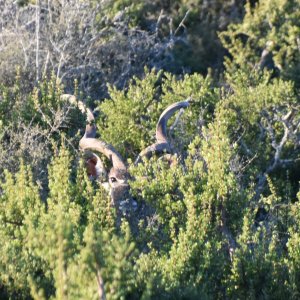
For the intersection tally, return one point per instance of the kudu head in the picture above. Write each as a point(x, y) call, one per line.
point(116, 181)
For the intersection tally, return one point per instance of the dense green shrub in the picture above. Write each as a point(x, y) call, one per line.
point(218, 219)
point(128, 118)
point(268, 37)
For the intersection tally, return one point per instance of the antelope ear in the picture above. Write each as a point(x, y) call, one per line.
point(95, 168)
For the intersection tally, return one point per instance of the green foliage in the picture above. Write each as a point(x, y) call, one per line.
point(30, 122)
point(217, 219)
point(128, 118)
point(293, 259)
point(58, 248)
point(200, 234)
point(20, 210)
point(257, 106)
point(269, 25)
point(192, 264)
point(260, 265)
point(124, 122)
point(134, 10)
point(201, 47)
point(206, 18)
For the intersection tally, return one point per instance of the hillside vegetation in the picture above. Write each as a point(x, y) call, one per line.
point(219, 218)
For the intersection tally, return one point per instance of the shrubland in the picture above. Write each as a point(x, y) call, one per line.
point(222, 222)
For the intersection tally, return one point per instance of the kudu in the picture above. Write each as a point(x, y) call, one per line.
point(117, 177)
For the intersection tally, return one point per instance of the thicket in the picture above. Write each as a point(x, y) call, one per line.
point(223, 221)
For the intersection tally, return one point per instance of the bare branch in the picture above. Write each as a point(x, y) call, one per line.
point(289, 133)
point(37, 36)
point(181, 24)
point(100, 282)
point(232, 244)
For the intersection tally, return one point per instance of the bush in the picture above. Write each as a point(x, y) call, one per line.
point(216, 219)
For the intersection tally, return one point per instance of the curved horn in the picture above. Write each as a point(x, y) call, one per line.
point(161, 127)
point(109, 151)
point(90, 129)
point(162, 144)
point(89, 142)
